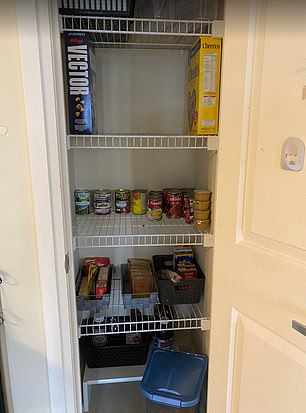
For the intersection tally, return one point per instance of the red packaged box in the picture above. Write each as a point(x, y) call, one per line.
point(102, 282)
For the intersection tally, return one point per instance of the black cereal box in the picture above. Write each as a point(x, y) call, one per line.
point(80, 83)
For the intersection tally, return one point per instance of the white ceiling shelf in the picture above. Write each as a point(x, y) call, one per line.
point(126, 141)
point(120, 230)
point(139, 33)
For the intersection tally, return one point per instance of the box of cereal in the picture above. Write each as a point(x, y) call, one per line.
point(204, 65)
point(80, 83)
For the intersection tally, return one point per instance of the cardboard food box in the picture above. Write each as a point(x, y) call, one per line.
point(80, 83)
point(141, 285)
point(102, 282)
point(204, 65)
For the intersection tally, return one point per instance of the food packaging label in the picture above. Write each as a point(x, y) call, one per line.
point(80, 79)
point(204, 66)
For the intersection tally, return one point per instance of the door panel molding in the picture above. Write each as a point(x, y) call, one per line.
point(245, 234)
point(248, 338)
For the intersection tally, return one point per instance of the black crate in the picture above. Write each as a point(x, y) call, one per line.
point(91, 302)
point(182, 292)
point(116, 352)
point(109, 8)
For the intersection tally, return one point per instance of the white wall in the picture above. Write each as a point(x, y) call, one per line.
point(20, 291)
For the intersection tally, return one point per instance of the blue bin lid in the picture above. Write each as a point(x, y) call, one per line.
point(174, 378)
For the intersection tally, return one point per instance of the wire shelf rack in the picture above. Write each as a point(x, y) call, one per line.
point(125, 141)
point(138, 33)
point(128, 230)
point(143, 318)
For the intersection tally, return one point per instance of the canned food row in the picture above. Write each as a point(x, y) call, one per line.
point(173, 202)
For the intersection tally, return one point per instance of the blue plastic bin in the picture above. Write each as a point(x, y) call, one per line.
point(173, 381)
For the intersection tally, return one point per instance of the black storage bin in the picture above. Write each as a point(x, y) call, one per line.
point(182, 292)
point(116, 352)
point(109, 8)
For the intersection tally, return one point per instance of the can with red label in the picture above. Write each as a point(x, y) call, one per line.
point(102, 201)
point(155, 206)
point(174, 204)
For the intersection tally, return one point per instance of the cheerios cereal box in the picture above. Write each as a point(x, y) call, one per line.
point(204, 66)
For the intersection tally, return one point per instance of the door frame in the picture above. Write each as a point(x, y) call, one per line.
point(41, 73)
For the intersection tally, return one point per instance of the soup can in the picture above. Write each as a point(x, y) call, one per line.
point(122, 201)
point(102, 201)
point(82, 201)
point(139, 201)
point(155, 206)
point(174, 204)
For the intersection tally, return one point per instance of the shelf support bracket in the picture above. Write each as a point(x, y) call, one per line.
point(218, 28)
point(208, 241)
point(205, 324)
point(212, 143)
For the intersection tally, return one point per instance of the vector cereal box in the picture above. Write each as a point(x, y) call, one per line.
point(80, 83)
point(204, 65)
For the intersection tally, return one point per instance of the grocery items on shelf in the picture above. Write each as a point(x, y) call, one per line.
point(201, 209)
point(93, 283)
point(191, 204)
point(140, 277)
point(179, 278)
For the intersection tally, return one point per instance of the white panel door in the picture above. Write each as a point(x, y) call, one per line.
point(258, 361)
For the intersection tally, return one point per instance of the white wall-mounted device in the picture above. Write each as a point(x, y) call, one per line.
point(292, 157)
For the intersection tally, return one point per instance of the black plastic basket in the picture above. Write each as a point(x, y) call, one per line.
point(91, 302)
point(109, 8)
point(182, 292)
point(116, 352)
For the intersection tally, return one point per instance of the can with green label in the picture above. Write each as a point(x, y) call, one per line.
point(82, 201)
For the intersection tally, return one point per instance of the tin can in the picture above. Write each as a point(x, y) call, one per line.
point(122, 201)
point(163, 339)
point(165, 202)
point(102, 201)
point(174, 204)
point(139, 201)
point(155, 206)
point(82, 201)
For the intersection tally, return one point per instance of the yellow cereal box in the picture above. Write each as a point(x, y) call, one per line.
point(204, 64)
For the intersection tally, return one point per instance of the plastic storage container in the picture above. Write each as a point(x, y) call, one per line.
point(182, 292)
point(115, 351)
point(173, 382)
point(178, 9)
point(146, 302)
point(90, 302)
point(111, 8)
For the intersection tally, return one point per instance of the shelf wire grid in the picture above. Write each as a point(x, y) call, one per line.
point(108, 141)
point(128, 230)
point(147, 318)
point(138, 33)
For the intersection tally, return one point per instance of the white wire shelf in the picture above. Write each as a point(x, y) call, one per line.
point(119, 318)
point(182, 317)
point(125, 141)
point(129, 230)
point(138, 33)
